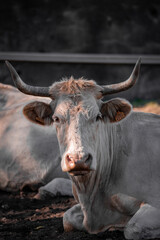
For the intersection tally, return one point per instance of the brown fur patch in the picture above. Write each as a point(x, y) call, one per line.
point(119, 116)
point(73, 86)
point(68, 227)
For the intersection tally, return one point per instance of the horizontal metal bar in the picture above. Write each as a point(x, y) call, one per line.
point(78, 58)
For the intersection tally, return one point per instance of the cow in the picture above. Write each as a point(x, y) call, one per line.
point(111, 154)
point(27, 161)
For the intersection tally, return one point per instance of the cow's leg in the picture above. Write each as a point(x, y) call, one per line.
point(57, 187)
point(73, 219)
point(125, 204)
point(145, 224)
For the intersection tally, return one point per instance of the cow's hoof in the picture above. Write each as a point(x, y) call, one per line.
point(68, 227)
point(132, 232)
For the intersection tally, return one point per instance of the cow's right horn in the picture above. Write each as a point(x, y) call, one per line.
point(122, 86)
point(23, 87)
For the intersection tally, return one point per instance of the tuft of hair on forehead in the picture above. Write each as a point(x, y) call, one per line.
point(73, 86)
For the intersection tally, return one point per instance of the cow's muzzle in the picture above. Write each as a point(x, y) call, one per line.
point(78, 164)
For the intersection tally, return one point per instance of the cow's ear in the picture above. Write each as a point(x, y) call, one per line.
point(116, 109)
point(38, 112)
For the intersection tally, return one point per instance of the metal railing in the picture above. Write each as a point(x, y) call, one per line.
point(79, 58)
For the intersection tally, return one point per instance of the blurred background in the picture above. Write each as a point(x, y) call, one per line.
point(47, 40)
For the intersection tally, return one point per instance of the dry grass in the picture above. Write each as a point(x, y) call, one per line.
point(151, 107)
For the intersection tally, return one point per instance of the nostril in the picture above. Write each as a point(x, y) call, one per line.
point(88, 159)
point(70, 160)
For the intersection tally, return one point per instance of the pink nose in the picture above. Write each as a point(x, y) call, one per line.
point(75, 162)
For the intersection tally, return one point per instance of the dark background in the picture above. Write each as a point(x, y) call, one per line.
point(82, 26)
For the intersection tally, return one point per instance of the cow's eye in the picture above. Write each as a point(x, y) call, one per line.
point(99, 117)
point(56, 119)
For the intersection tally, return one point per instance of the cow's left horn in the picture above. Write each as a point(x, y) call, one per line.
point(23, 87)
point(119, 87)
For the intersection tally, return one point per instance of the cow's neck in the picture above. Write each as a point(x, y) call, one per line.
point(94, 189)
point(100, 178)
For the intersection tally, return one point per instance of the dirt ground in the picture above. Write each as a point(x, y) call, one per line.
point(23, 217)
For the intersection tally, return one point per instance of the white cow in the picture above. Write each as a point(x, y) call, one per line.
point(111, 154)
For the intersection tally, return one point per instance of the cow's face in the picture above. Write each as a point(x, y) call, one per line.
point(78, 119)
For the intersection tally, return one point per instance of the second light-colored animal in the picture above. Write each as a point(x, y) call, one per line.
point(29, 153)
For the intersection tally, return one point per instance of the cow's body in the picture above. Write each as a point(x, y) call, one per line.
point(138, 156)
point(129, 176)
point(111, 153)
point(25, 158)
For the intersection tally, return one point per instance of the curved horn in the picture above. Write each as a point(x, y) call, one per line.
point(119, 87)
point(27, 89)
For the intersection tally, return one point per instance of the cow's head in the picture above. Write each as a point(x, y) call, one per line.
point(78, 113)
